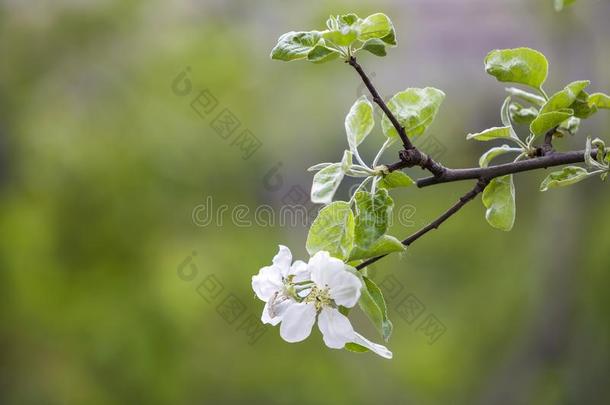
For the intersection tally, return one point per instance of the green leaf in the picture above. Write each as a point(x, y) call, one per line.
point(346, 161)
point(359, 122)
point(491, 133)
point(372, 216)
point(493, 152)
point(382, 246)
point(564, 98)
point(373, 305)
point(375, 26)
point(599, 100)
point(342, 29)
point(319, 166)
point(332, 231)
point(395, 179)
point(321, 53)
point(521, 114)
point(355, 347)
point(295, 45)
point(565, 177)
point(547, 121)
point(526, 96)
point(326, 182)
point(519, 65)
point(414, 109)
point(499, 199)
point(562, 4)
point(569, 126)
point(375, 46)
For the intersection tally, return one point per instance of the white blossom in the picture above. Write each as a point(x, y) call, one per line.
point(298, 294)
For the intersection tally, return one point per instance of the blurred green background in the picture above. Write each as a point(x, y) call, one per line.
point(104, 162)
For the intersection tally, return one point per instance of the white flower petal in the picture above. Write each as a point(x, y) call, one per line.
point(323, 267)
point(267, 282)
point(345, 288)
point(330, 272)
point(374, 347)
point(297, 322)
point(335, 327)
point(274, 311)
point(282, 259)
point(300, 270)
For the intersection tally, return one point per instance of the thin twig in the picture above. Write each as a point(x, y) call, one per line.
point(469, 196)
point(377, 99)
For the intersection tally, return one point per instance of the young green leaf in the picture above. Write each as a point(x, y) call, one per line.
point(491, 133)
point(526, 96)
point(547, 121)
point(415, 110)
point(359, 122)
point(521, 114)
point(395, 179)
point(343, 29)
point(373, 305)
point(375, 46)
point(382, 246)
point(372, 216)
point(569, 126)
point(319, 166)
point(519, 65)
point(499, 199)
point(493, 152)
point(321, 53)
point(565, 177)
point(599, 100)
point(332, 231)
point(375, 26)
point(564, 98)
point(295, 45)
point(326, 182)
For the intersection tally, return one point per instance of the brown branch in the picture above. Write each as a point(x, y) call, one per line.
point(549, 160)
point(377, 99)
point(469, 196)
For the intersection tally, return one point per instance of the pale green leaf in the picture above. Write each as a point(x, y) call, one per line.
point(564, 98)
point(519, 65)
point(375, 26)
point(373, 305)
point(491, 133)
point(499, 199)
point(526, 96)
point(346, 161)
point(332, 231)
point(295, 45)
point(326, 182)
point(521, 114)
point(382, 246)
point(372, 216)
point(569, 126)
point(488, 156)
point(321, 53)
point(359, 122)
point(375, 46)
point(319, 166)
point(600, 100)
point(547, 121)
point(414, 109)
point(565, 177)
point(396, 179)
point(343, 29)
